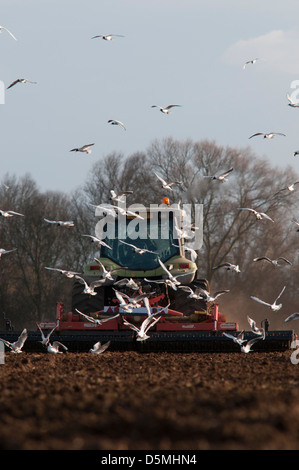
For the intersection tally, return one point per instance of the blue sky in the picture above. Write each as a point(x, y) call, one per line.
point(173, 52)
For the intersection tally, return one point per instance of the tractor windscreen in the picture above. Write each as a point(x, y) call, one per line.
point(156, 236)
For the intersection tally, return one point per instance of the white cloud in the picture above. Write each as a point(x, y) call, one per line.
point(279, 48)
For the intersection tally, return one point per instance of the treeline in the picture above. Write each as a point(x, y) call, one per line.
point(29, 292)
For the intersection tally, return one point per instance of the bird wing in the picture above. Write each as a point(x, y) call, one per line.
point(218, 293)
point(165, 269)
point(86, 146)
point(294, 316)
point(260, 301)
point(160, 178)
point(172, 106)
point(101, 347)
point(13, 83)
point(260, 258)
point(227, 172)
point(258, 133)
point(56, 345)
point(266, 216)
point(51, 221)
point(21, 339)
point(133, 327)
point(92, 320)
point(280, 294)
point(9, 32)
point(284, 259)
point(148, 323)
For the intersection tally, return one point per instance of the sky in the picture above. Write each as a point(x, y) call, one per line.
point(187, 52)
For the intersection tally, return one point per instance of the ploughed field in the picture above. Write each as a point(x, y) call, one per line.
point(149, 401)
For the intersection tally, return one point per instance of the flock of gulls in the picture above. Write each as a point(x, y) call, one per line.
point(126, 302)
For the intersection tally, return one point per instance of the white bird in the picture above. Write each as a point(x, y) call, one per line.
point(90, 289)
point(254, 328)
point(221, 177)
point(128, 212)
point(96, 321)
point(166, 185)
point(46, 339)
point(54, 348)
point(171, 281)
point(272, 306)
point(138, 250)
point(167, 109)
point(9, 32)
point(99, 348)
point(114, 122)
point(202, 293)
point(84, 148)
point(275, 262)
point(4, 252)
point(240, 340)
point(271, 135)
point(97, 241)
point(16, 346)
point(291, 102)
point(9, 213)
point(290, 188)
point(252, 61)
point(108, 37)
point(61, 223)
point(118, 197)
point(123, 304)
point(130, 283)
point(106, 210)
point(148, 323)
point(64, 272)
point(108, 274)
point(229, 267)
point(294, 316)
point(19, 80)
point(258, 215)
point(181, 232)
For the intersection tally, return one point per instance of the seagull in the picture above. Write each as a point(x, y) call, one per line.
point(96, 321)
point(229, 267)
point(46, 339)
point(108, 274)
point(182, 233)
point(118, 197)
point(97, 241)
point(275, 262)
point(84, 148)
point(128, 212)
point(202, 293)
point(296, 153)
point(171, 281)
point(61, 223)
point(108, 37)
point(64, 272)
point(9, 32)
point(4, 252)
point(90, 289)
point(167, 109)
point(99, 348)
point(271, 135)
point(106, 210)
point(291, 188)
point(166, 185)
point(114, 122)
point(291, 102)
point(254, 328)
point(130, 283)
point(240, 340)
point(294, 316)
point(122, 302)
point(54, 348)
point(140, 251)
point(149, 322)
point(273, 306)
point(221, 177)
point(258, 215)
point(19, 80)
point(17, 346)
point(9, 213)
point(252, 61)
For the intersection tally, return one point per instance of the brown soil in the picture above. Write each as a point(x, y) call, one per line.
point(162, 401)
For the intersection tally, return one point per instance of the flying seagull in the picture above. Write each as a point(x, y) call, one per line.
point(61, 223)
point(9, 32)
point(168, 108)
point(275, 262)
point(148, 323)
point(114, 122)
point(90, 289)
point(17, 346)
point(296, 153)
point(96, 321)
point(4, 252)
point(271, 135)
point(258, 215)
point(254, 328)
point(167, 185)
point(252, 61)
point(290, 188)
point(272, 306)
point(45, 339)
point(9, 213)
point(19, 80)
point(99, 348)
point(118, 197)
point(130, 283)
point(221, 177)
point(229, 267)
point(54, 348)
point(108, 274)
point(97, 241)
point(140, 251)
point(64, 272)
point(291, 102)
point(202, 293)
point(108, 37)
point(240, 340)
point(84, 148)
